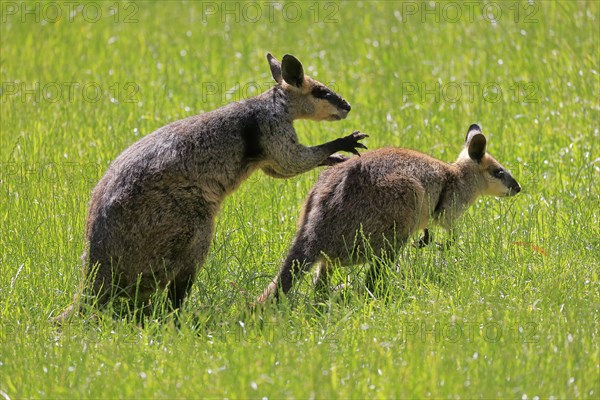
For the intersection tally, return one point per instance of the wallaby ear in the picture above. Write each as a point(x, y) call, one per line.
point(475, 143)
point(292, 70)
point(474, 128)
point(275, 66)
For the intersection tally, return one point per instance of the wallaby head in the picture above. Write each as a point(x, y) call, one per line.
point(495, 180)
point(309, 98)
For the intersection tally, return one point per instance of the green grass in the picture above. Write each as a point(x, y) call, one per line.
point(512, 310)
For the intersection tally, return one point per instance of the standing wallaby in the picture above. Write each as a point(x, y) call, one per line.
point(383, 197)
point(151, 216)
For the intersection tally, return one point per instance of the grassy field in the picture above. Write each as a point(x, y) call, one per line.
point(511, 311)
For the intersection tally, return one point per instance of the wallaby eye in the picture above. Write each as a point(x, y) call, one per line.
point(499, 173)
point(321, 92)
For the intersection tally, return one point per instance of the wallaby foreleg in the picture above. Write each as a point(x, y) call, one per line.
point(291, 160)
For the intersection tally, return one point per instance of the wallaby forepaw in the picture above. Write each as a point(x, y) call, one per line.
point(350, 143)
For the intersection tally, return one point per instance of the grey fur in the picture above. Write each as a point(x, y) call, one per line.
point(383, 198)
point(151, 216)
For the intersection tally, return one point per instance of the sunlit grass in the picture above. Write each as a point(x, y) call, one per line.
point(512, 310)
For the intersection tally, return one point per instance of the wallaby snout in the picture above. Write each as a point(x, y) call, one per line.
point(345, 109)
point(343, 113)
point(514, 188)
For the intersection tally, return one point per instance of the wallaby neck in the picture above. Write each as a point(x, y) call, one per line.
point(276, 103)
point(471, 182)
point(463, 187)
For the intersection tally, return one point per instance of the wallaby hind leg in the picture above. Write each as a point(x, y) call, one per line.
point(191, 259)
point(323, 278)
point(425, 239)
point(179, 289)
point(323, 287)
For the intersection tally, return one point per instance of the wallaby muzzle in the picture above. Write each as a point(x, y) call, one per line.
point(514, 188)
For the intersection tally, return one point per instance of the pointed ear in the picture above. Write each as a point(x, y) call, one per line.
point(275, 66)
point(292, 70)
point(472, 130)
point(475, 143)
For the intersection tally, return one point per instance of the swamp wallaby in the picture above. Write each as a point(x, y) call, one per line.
point(151, 216)
point(384, 197)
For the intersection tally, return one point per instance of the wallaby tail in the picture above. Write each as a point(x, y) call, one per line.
point(298, 261)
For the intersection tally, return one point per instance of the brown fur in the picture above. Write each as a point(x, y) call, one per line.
point(380, 199)
point(151, 217)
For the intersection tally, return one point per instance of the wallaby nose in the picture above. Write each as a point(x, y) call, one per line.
point(346, 106)
point(515, 188)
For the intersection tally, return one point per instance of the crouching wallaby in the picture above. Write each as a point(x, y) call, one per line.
point(151, 216)
point(383, 197)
